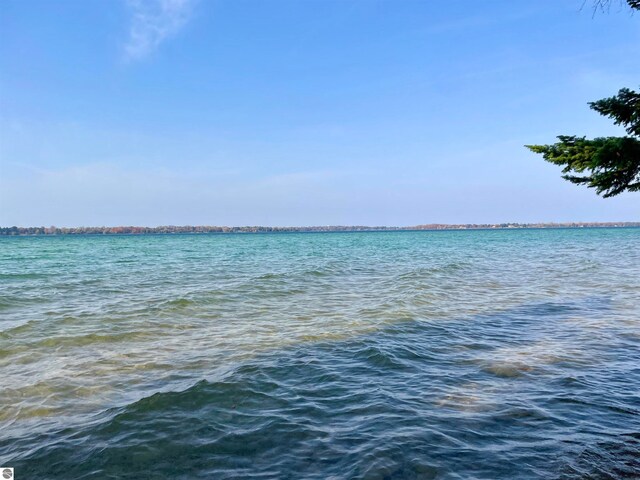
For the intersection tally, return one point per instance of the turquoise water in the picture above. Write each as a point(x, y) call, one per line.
point(397, 355)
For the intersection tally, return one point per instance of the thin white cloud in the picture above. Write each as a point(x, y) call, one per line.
point(152, 21)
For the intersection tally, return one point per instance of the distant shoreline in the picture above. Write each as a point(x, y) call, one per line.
point(132, 230)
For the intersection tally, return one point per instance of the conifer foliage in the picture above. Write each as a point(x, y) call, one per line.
point(611, 164)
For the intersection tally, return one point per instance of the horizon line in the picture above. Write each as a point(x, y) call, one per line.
point(132, 229)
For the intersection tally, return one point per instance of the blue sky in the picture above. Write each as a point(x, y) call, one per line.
point(303, 112)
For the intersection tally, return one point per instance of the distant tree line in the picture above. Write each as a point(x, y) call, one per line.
point(170, 229)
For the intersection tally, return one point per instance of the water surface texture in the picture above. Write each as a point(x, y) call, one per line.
point(393, 355)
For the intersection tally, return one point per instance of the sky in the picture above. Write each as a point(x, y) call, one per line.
point(304, 112)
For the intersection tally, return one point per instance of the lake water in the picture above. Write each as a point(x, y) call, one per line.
point(393, 355)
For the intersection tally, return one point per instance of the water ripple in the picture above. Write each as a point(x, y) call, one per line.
point(376, 356)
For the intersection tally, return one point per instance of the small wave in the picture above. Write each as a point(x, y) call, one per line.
point(507, 369)
point(23, 276)
point(617, 458)
point(179, 303)
point(74, 341)
point(378, 357)
point(18, 329)
point(318, 273)
point(421, 273)
point(21, 301)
